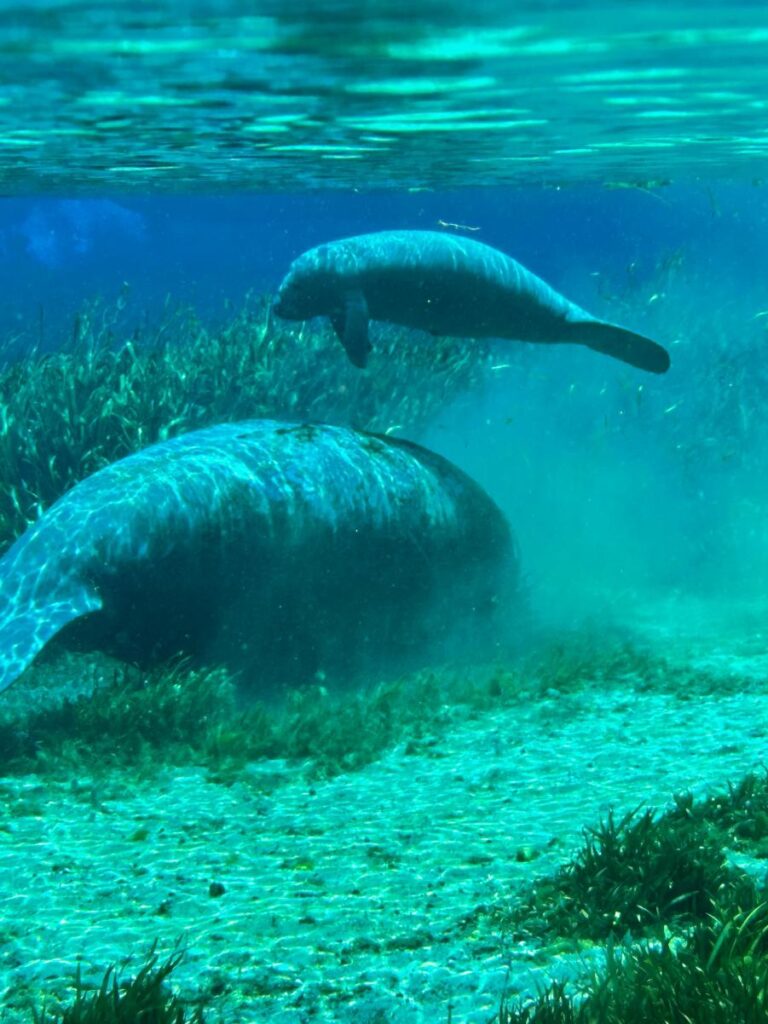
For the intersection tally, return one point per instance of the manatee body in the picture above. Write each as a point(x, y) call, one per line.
point(447, 285)
point(281, 549)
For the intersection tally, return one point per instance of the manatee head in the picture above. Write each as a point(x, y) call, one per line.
point(310, 288)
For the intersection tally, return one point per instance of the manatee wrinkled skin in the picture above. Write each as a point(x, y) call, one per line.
point(280, 550)
point(446, 285)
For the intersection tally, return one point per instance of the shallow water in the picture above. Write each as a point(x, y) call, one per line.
point(213, 97)
point(340, 855)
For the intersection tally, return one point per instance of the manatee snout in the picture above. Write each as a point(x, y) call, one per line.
point(302, 296)
point(286, 302)
point(295, 302)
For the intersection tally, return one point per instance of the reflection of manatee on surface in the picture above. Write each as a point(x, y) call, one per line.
point(446, 285)
point(278, 549)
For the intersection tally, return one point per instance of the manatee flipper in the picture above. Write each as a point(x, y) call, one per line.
point(620, 343)
point(351, 326)
point(25, 631)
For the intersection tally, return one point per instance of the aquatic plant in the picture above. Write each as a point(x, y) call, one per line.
point(571, 660)
point(643, 870)
point(176, 714)
point(632, 875)
point(340, 732)
point(596, 656)
point(716, 974)
point(142, 999)
point(739, 816)
point(133, 718)
point(686, 933)
point(109, 391)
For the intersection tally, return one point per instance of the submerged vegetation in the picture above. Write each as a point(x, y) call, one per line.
point(108, 393)
point(636, 873)
point(678, 924)
point(177, 713)
point(142, 999)
point(715, 974)
point(686, 932)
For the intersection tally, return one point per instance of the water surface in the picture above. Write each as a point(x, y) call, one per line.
point(216, 96)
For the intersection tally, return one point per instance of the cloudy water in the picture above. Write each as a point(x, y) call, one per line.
point(344, 584)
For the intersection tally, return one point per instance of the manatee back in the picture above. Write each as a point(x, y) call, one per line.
point(442, 283)
point(290, 547)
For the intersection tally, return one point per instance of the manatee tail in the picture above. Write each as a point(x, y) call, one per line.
point(25, 628)
point(620, 343)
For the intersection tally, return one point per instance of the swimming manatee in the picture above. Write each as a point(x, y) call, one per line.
point(446, 285)
point(277, 549)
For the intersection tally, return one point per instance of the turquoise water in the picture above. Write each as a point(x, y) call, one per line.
point(345, 847)
point(211, 97)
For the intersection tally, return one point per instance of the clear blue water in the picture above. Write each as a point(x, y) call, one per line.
point(189, 153)
point(162, 154)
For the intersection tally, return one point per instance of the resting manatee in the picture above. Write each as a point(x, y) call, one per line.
point(446, 285)
point(277, 548)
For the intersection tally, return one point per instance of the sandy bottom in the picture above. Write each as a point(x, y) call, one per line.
point(354, 899)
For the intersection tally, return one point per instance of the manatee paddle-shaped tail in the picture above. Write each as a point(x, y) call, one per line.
point(445, 285)
point(31, 616)
point(611, 340)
